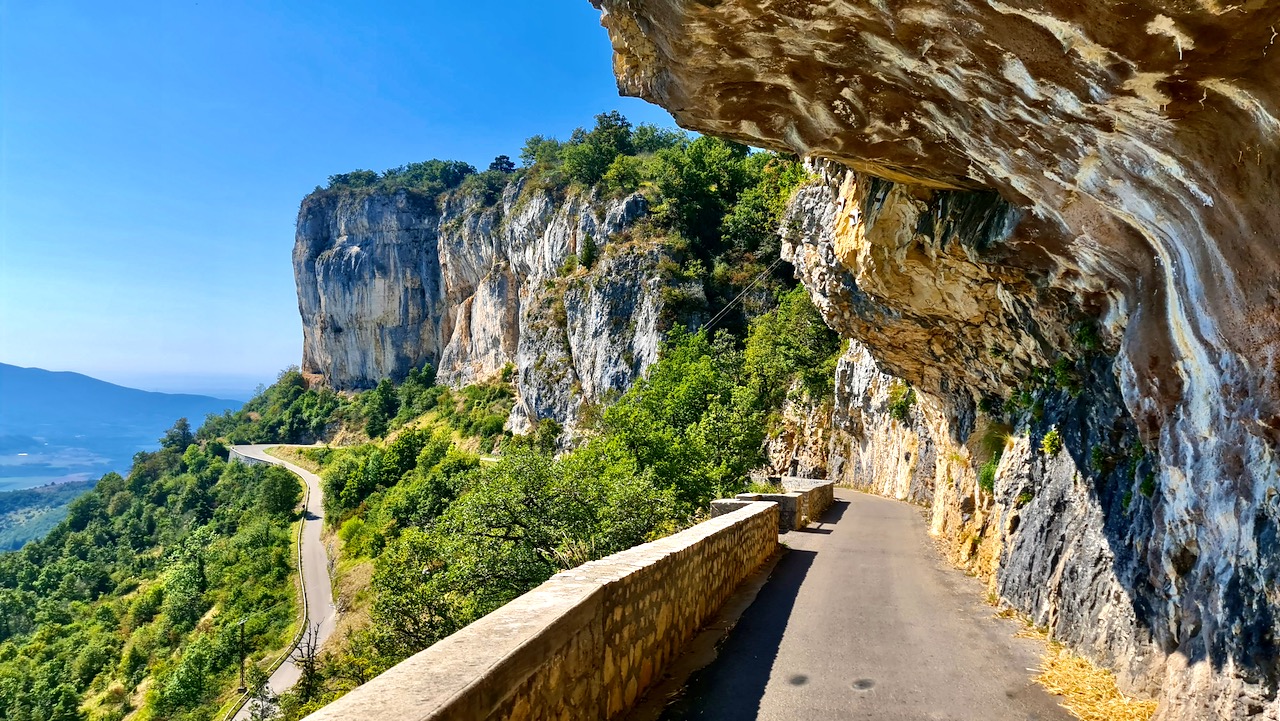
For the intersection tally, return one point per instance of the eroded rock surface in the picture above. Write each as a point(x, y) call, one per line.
point(1010, 175)
point(390, 281)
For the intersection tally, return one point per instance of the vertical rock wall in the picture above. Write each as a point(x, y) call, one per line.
point(391, 281)
point(1020, 169)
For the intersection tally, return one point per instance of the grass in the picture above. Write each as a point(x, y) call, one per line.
point(1052, 442)
point(1088, 692)
point(295, 456)
point(987, 475)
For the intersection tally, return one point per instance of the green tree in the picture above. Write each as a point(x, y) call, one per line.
point(625, 175)
point(380, 406)
point(279, 491)
point(699, 185)
point(502, 164)
point(789, 344)
point(648, 138)
point(540, 150)
point(588, 252)
point(688, 422)
point(354, 179)
point(432, 177)
point(588, 154)
point(179, 436)
point(414, 605)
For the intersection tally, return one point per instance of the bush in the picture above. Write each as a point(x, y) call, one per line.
point(624, 176)
point(589, 154)
point(987, 475)
point(432, 177)
point(589, 251)
point(902, 398)
point(486, 186)
point(1051, 443)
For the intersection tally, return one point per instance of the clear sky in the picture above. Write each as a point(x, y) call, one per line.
point(153, 154)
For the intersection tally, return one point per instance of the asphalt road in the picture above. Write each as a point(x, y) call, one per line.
point(863, 619)
point(315, 569)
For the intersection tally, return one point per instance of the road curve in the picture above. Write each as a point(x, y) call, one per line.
point(863, 619)
point(315, 566)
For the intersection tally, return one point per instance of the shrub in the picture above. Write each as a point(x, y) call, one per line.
point(1148, 487)
point(987, 475)
point(486, 186)
point(589, 251)
point(901, 399)
point(1051, 443)
point(624, 176)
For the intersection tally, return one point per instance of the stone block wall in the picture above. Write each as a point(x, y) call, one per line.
point(803, 503)
point(819, 493)
point(790, 508)
point(582, 646)
point(722, 506)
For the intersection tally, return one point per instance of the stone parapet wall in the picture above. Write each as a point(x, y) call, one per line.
point(819, 495)
point(804, 501)
point(582, 646)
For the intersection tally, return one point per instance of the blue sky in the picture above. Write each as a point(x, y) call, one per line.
point(152, 157)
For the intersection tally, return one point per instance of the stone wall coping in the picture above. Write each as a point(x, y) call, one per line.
point(469, 673)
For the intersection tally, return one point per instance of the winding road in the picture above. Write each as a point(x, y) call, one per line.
point(315, 567)
point(864, 619)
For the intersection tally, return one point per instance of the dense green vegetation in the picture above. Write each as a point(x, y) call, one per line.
point(291, 411)
point(132, 605)
point(32, 512)
point(450, 539)
point(714, 204)
point(132, 601)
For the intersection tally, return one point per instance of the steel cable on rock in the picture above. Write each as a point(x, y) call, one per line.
point(723, 311)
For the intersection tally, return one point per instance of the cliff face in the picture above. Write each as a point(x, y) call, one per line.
point(1077, 191)
point(390, 281)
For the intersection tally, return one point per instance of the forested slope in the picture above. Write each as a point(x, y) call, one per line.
point(440, 513)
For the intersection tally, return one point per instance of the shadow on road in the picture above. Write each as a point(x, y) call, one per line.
point(731, 686)
point(831, 517)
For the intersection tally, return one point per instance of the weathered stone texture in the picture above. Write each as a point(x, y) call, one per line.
point(390, 281)
point(1010, 169)
point(582, 646)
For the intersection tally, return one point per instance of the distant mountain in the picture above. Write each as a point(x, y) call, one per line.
point(58, 427)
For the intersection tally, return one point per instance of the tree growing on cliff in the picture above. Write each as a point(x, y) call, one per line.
point(588, 252)
point(502, 164)
point(588, 154)
point(354, 179)
point(540, 150)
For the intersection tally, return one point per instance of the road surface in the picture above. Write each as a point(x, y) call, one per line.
point(863, 619)
point(315, 568)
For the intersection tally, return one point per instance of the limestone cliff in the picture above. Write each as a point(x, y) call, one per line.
point(388, 281)
point(1044, 217)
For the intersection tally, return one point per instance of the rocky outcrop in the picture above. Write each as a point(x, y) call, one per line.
point(1022, 192)
point(389, 281)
